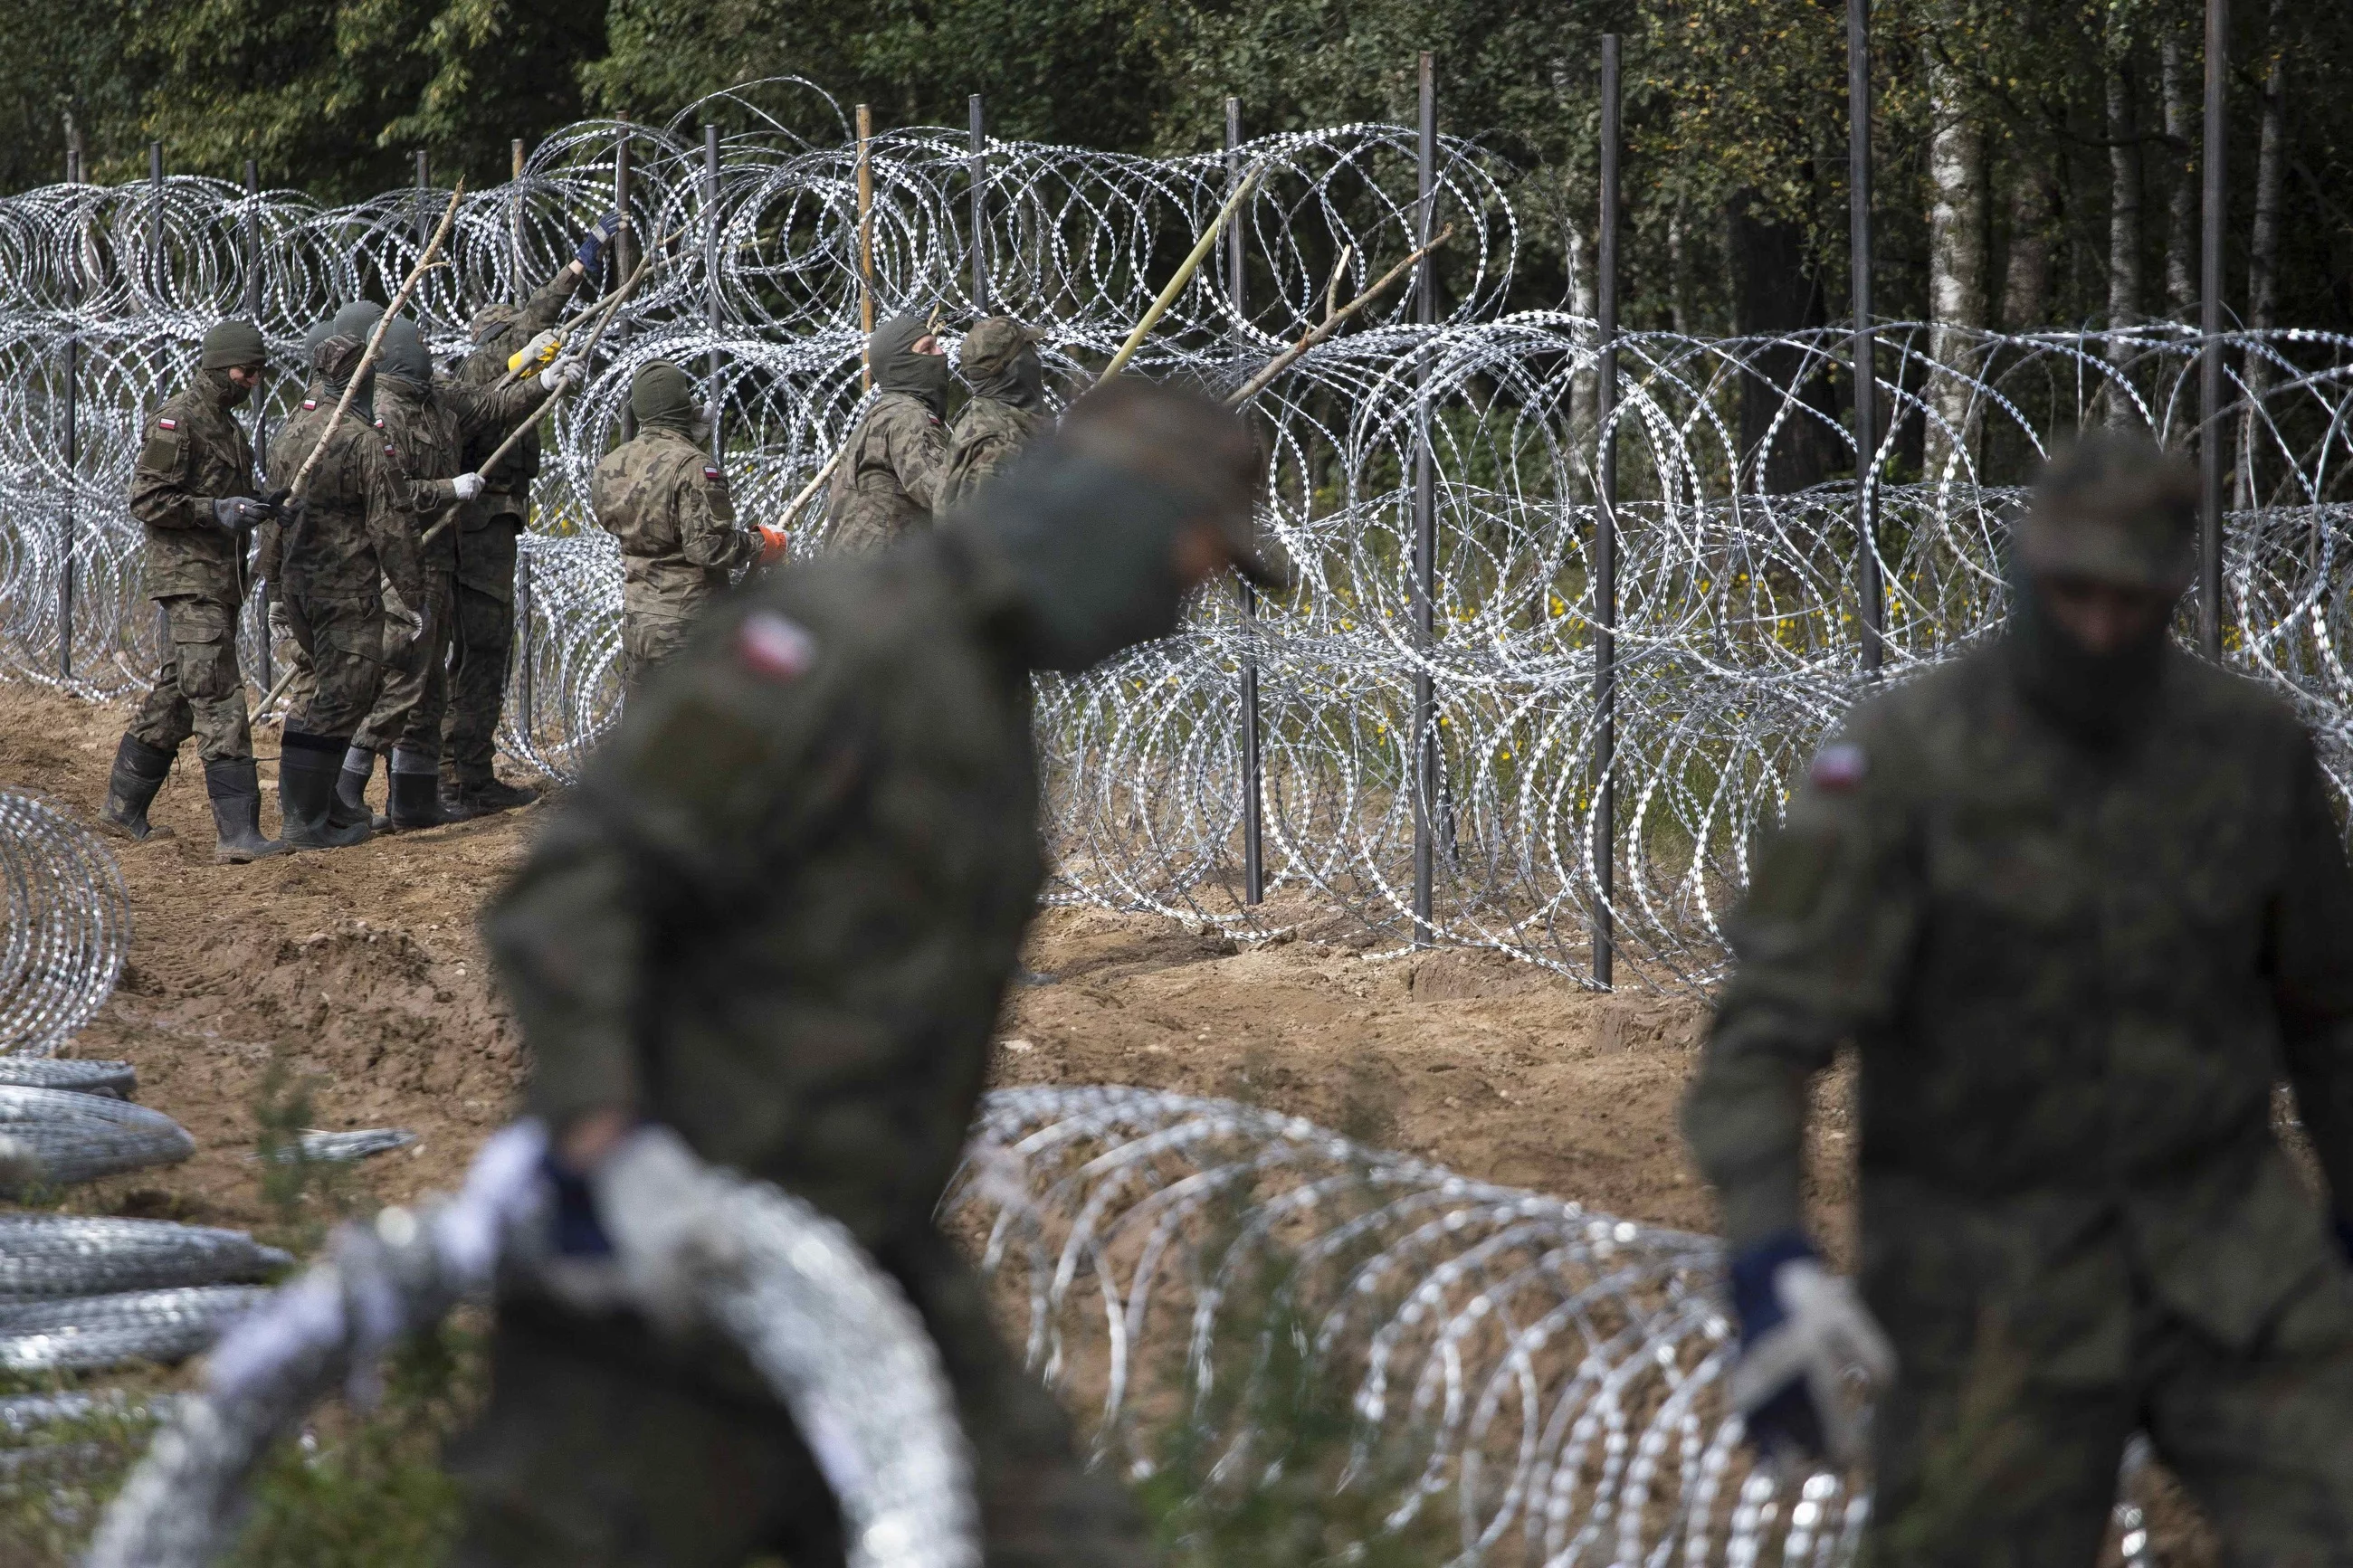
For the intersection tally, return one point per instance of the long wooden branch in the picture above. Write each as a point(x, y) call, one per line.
point(1331, 322)
point(1184, 273)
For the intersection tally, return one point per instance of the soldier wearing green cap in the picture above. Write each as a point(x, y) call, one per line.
point(1008, 409)
point(2080, 902)
point(665, 498)
point(889, 476)
point(777, 919)
point(192, 489)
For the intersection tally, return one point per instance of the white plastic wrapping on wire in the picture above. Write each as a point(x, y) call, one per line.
point(845, 1352)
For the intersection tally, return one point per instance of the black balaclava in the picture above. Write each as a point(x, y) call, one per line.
point(404, 362)
point(2100, 700)
point(225, 393)
point(899, 368)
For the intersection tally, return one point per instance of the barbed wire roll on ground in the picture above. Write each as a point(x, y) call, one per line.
point(67, 926)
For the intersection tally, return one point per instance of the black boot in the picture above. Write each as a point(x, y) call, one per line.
point(350, 789)
point(140, 770)
point(414, 799)
point(465, 798)
point(235, 791)
point(307, 765)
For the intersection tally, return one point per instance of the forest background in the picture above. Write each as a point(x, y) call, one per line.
point(2037, 164)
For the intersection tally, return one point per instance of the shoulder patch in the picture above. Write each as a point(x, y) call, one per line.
point(310, 403)
point(710, 472)
point(169, 424)
point(1838, 768)
point(774, 647)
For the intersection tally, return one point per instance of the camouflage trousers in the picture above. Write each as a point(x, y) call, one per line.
point(415, 695)
point(342, 639)
point(648, 639)
point(198, 691)
point(483, 644)
point(1997, 1461)
point(600, 1447)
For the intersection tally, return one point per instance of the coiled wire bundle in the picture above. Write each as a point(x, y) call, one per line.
point(67, 925)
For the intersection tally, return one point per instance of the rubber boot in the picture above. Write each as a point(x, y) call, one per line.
point(350, 789)
point(463, 799)
point(415, 797)
point(140, 770)
point(235, 791)
point(307, 765)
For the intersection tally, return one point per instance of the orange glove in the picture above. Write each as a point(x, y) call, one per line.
point(772, 543)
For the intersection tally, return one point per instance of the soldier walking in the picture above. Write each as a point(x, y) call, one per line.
point(488, 529)
point(888, 479)
point(662, 495)
point(1008, 409)
point(776, 920)
point(192, 490)
point(2078, 900)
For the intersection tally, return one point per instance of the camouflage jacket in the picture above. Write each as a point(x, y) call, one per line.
point(987, 434)
point(431, 429)
point(507, 492)
point(888, 479)
point(195, 453)
point(354, 526)
point(2072, 978)
point(665, 500)
point(779, 911)
point(269, 539)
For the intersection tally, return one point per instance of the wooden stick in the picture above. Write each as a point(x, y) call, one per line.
point(866, 239)
point(1184, 275)
point(425, 264)
point(269, 699)
point(1331, 324)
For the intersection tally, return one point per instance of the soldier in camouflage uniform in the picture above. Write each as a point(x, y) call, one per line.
point(193, 490)
point(430, 427)
point(2078, 900)
point(778, 917)
point(665, 498)
point(297, 679)
point(1007, 410)
point(488, 531)
point(889, 479)
point(349, 546)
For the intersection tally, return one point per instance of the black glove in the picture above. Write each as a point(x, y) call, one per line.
point(592, 243)
point(239, 513)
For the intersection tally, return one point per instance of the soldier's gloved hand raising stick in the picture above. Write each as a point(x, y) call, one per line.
point(1803, 1333)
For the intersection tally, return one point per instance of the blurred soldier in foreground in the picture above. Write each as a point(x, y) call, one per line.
point(488, 528)
point(888, 479)
point(193, 490)
point(429, 427)
point(665, 498)
point(2078, 900)
point(776, 920)
point(1007, 410)
point(348, 547)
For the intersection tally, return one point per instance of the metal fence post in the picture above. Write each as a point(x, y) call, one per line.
point(976, 175)
point(73, 457)
point(1423, 774)
point(2210, 326)
point(424, 206)
point(1869, 592)
point(1253, 758)
point(155, 276)
point(624, 251)
point(260, 404)
point(1605, 541)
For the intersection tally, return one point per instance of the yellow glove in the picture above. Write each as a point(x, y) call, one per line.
point(535, 356)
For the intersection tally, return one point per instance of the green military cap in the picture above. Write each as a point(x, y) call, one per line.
point(2116, 508)
point(994, 343)
point(232, 344)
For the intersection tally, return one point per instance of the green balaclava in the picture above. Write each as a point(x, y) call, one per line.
point(338, 355)
point(2114, 509)
point(231, 344)
point(661, 396)
point(1000, 361)
point(319, 333)
point(356, 319)
point(1088, 520)
point(405, 358)
point(899, 368)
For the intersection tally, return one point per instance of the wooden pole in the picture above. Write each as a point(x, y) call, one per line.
point(866, 240)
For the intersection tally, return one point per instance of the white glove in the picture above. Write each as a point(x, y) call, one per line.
point(1827, 1332)
point(539, 347)
point(468, 486)
point(564, 376)
point(402, 624)
point(662, 1208)
point(281, 624)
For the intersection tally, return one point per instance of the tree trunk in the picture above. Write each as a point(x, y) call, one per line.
point(2125, 293)
point(1679, 285)
point(2263, 255)
point(2181, 128)
point(1776, 290)
point(1581, 247)
point(1957, 274)
point(2026, 273)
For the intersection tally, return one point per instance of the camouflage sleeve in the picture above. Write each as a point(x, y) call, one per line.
point(708, 534)
point(2311, 943)
point(159, 480)
point(391, 517)
point(488, 415)
point(1821, 943)
point(918, 456)
point(542, 309)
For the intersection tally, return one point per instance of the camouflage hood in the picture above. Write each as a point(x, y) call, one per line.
point(1000, 361)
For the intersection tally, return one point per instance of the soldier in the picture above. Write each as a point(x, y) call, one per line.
point(429, 427)
point(888, 481)
point(776, 920)
point(665, 498)
point(1007, 410)
point(268, 555)
point(349, 567)
point(488, 529)
point(2078, 899)
point(192, 488)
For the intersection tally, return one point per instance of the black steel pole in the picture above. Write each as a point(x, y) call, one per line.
point(1422, 772)
point(260, 404)
point(1869, 593)
point(1605, 563)
point(2211, 445)
point(710, 312)
point(424, 213)
point(155, 274)
point(976, 175)
point(1253, 762)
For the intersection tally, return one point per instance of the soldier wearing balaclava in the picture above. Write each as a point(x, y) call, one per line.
point(888, 479)
point(1007, 410)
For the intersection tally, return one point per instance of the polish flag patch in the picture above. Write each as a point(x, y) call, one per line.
point(709, 472)
point(309, 402)
point(774, 647)
point(1838, 768)
point(169, 424)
